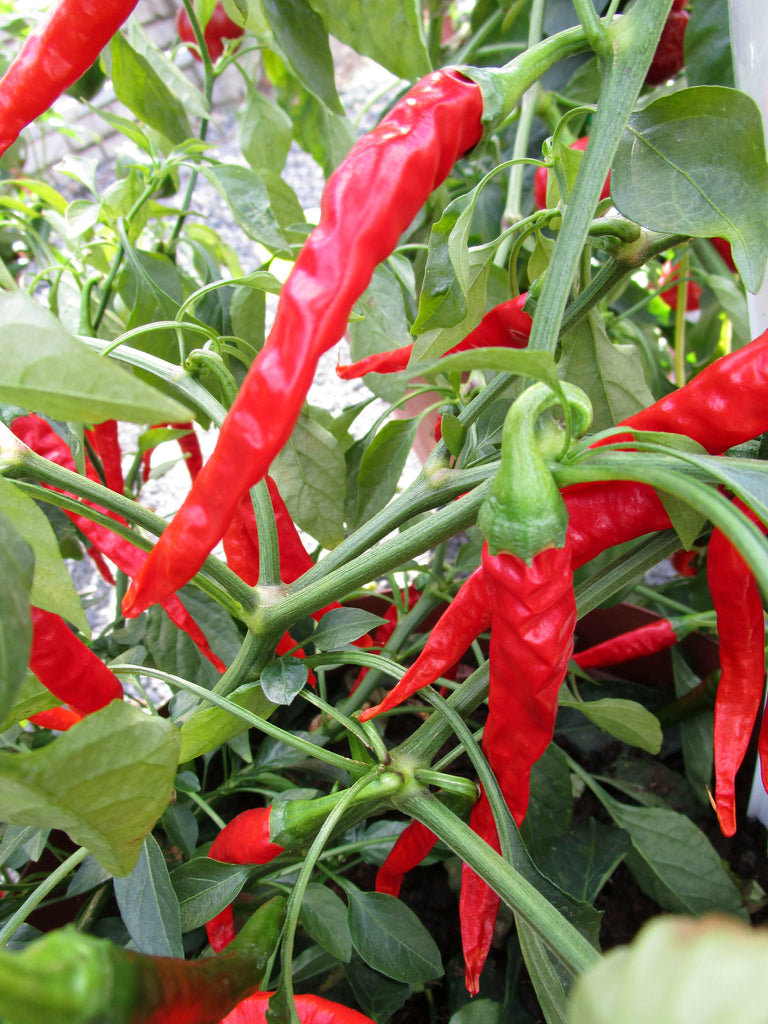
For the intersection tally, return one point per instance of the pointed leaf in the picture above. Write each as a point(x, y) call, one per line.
point(391, 939)
point(627, 720)
point(148, 904)
point(204, 887)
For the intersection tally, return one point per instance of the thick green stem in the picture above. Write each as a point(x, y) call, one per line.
point(550, 925)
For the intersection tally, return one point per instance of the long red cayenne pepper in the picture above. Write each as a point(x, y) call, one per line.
point(649, 638)
point(53, 57)
point(69, 669)
point(367, 203)
point(310, 1009)
point(44, 440)
point(245, 840)
point(741, 637)
point(105, 440)
point(504, 326)
point(411, 847)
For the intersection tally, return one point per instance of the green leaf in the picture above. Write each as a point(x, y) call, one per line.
point(264, 132)
point(138, 86)
point(611, 375)
point(384, 326)
point(43, 367)
point(324, 917)
point(391, 939)
point(105, 783)
point(674, 862)
point(16, 572)
point(303, 38)
point(695, 732)
point(382, 466)
point(204, 887)
point(627, 720)
point(379, 997)
point(550, 984)
point(708, 58)
point(550, 808)
point(694, 163)
point(582, 861)
point(244, 192)
point(148, 905)
point(283, 679)
point(178, 83)
point(180, 826)
point(453, 432)
point(30, 698)
point(390, 33)
point(678, 971)
point(342, 626)
point(211, 727)
point(52, 586)
point(310, 473)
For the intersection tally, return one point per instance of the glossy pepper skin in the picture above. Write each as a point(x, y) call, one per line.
point(741, 634)
point(43, 439)
point(60, 719)
point(411, 847)
point(310, 1009)
point(504, 326)
point(367, 203)
point(637, 643)
point(53, 57)
point(219, 27)
point(245, 840)
point(69, 669)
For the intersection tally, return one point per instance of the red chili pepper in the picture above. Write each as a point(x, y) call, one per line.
point(106, 443)
point(741, 635)
point(219, 27)
point(69, 669)
point(411, 847)
point(541, 178)
point(669, 274)
point(61, 718)
point(44, 440)
point(686, 563)
point(505, 326)
point(636, 643)
point(669, 57)
point(723, 247)
point(368, 201)
point(190, 448)
point(310, 1009)
point(245, 840)
point(53, 57)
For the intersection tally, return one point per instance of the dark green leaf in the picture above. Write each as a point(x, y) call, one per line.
point(695, 732)
point(391, 939)
point(148, 904)
point(342, 626)
point(140, 88)
point(52, 586)
point(379, 997)
point(283, 679)
point(181, 827)
point(479, 1011)
point(17, 564)
point(550, 808)
point(87, 877)
point(324, 917)
point(310, 473)
point(390, 33)
point(303, 38)
point(708, 58)
point(382, 466)
point(582, 861)
point(43, 367)
point(611, 375)
point(204, 887)
point(694, 163)
point(105, 782)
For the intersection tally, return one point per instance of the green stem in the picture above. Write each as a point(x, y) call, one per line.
point(624, 64)
point(255, 721)
point(682, 296)
point(550, 925)
point(266, 526)
point(36, 898)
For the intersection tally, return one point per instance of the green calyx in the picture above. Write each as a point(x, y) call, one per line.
point(525, 513)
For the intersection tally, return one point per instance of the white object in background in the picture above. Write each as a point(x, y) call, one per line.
point(749, 45)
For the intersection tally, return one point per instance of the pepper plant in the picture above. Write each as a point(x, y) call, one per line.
point(536, 260)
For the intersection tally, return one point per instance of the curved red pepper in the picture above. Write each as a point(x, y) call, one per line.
point(44, 440)
point(669, 57)
point(637, 643)
point(69, 669)
point(367, 203)
point(411, 847)
point(245, 840)
point(504, 326)
point(53, 57)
